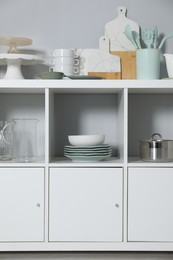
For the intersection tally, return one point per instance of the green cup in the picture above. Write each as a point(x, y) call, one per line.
point(148, 63)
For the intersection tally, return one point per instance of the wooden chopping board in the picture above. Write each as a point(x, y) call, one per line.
point(128, 63)
point(114, 30)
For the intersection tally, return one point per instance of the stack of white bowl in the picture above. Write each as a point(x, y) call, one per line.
point(87, 148)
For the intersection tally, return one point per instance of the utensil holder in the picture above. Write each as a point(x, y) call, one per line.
point(148, 63)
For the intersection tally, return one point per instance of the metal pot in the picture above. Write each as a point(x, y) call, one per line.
point(156, 149)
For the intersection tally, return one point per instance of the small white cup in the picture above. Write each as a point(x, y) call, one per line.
point(62, 52)
point(64, 60)
point(67, 69)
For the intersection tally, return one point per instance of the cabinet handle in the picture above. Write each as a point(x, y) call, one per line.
point(38, 205)
point(117, 205)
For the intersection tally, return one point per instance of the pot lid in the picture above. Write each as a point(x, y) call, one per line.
point(155, 141)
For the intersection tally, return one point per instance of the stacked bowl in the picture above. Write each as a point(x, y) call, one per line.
point(87, 148)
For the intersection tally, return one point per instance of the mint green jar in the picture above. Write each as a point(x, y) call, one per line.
point(148, 63)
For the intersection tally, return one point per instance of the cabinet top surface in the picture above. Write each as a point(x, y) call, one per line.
point(86, 86)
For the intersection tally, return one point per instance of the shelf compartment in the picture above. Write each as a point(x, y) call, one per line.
point(26, 106)
point(83, 114)
point(148, 114)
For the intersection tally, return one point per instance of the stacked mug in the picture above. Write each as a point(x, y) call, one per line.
point(64, 60)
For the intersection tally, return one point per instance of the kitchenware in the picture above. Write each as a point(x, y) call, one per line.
point(64, 60)
point(6, 140)
point(25, 140)
point(148, 63)
point(89, 153)
point(62, 53)
point(128, 32)
point(148, 37)
point(86, 64)
point(136, 38)
point(13, 42)
point(82, 77)
point(14, 62)
point(114, 30)
point(86, 139)
point(102, 61)
point(51, 75)
point(156, 149)
point(170, 35)
point(169, 64)
point(155, 37)
point(128, 63)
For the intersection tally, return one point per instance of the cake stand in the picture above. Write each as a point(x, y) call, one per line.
point(14, 62)
point(13, 42)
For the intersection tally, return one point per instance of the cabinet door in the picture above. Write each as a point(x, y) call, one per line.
point(21, 204)
point(150, 204)
point(85, 204)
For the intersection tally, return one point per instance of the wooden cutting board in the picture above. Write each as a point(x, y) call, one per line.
point(128, 63)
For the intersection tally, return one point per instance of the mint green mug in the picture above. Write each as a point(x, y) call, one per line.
point(148, 63)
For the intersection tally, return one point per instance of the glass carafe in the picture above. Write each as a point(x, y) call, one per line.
point(6, 140)
point(25, 140)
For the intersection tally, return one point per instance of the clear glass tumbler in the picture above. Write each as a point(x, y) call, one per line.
point(6, 140)
point(25, 140)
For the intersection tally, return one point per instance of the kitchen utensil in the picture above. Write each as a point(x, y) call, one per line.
point(25, 140)
point(86, 139)
point(114, 30)
point(13, 42)
point(14, 62)
point(136, 39)
point(156, 149)
point(169, 64)
point(130, 36)
point(51, 75)
point(6, 140)
point(170, 35)
point(102, 61)
point(128, 63)
point(155, 37)
point(148, 37)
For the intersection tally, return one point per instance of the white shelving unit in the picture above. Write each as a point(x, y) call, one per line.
point(126, 111)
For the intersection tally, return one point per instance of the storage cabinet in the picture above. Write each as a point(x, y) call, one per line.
point(85, 204)
point(150, 204)
point(117, 204)
point(22, 204)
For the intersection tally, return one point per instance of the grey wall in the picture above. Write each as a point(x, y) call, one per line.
point(77, 23)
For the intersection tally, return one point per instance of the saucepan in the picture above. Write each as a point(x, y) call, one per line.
point(156, 149)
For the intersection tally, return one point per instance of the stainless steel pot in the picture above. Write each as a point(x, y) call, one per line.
point(156, 149)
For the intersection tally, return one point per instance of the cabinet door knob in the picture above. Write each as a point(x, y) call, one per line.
point(117, 205)
point(38, 205)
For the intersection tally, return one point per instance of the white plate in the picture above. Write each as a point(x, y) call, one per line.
point(87, 158)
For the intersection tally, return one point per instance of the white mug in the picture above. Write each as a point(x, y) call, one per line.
point(62, 52)
point(67, 69)
point(63, 60)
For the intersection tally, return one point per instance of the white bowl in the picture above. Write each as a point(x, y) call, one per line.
point(86, 139)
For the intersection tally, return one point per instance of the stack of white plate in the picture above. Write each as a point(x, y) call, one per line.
point(89, 153)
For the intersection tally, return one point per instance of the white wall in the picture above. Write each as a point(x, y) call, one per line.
point(77, 23)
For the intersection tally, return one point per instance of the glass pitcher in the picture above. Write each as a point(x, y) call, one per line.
point(25, 140)
point(6, 140)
